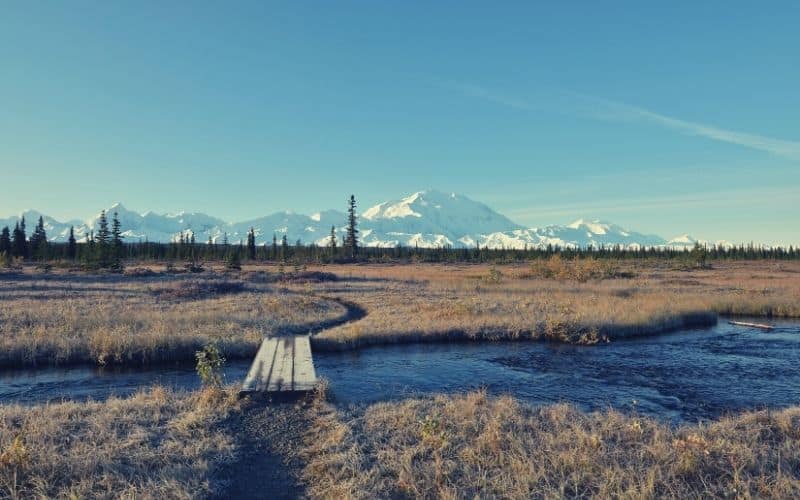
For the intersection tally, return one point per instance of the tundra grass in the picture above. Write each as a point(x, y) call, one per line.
point(155, 444)
point(86, 319)
point(475, 446)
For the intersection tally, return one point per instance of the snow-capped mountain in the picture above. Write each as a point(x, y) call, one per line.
point(430, 219)
point(424, 219)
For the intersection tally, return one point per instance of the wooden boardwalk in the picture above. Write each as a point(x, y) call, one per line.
point(282, 364)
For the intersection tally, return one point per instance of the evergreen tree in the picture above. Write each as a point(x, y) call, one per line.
point(233, 260)
point(18, 243)
point(284, 247)
point(116, 234)
point(251, 244)
point(5, 241)
point(102, 241)
point(274, 247)
point(332, 242)
point(116, 244)
point(38, 241)
point(351, 239)
point(24, 240)
point(72, 246)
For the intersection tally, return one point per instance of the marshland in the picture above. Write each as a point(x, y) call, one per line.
point(552, 378)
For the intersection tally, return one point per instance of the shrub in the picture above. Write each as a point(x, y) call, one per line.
point(199, 289)
point(139, 272)
point(233, 261)
point(581, 270)
point(494, 276)
point(209, 366)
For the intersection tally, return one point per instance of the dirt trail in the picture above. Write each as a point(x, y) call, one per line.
point(268, 435)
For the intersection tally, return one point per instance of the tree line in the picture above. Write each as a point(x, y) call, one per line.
point(105, 249)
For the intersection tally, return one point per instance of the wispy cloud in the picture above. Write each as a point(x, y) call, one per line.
point(607, 110)
point(772, 196)
point(616, 111)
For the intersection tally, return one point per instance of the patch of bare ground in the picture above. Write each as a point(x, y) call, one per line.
point(268, 434)
point(474, 446)
point(155, 444)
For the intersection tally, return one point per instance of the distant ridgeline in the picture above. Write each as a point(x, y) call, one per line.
point(106, 249)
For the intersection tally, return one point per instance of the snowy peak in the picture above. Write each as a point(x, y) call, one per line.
point(682, 240)
point(427, 218)
point(432, 216)
point(594, 227)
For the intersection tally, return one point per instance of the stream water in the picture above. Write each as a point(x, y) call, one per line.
point(684, 376)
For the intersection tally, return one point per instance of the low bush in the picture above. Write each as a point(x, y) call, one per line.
point(198, 289)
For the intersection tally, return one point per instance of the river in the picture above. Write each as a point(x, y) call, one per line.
point(685, 376)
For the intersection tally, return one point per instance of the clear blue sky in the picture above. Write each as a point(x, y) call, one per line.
point(665, 117)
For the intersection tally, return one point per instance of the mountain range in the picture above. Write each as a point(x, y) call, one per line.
point(426, 219)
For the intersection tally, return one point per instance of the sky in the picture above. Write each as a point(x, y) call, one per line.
point(667, 118)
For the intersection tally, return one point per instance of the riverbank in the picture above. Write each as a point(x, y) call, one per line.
point(439, 303)
point(65, 320)
point(72, 318)
point(462, 446)
point(155, 444)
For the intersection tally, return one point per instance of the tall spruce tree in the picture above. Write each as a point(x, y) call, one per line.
point(18, 243)
point(38, 241)
point(72, 245)
point(274, 247)
point(332, 242)
point(5, 241)
point(24, 240)
point(251, 244)
point(284, 247)
point(116, 235)
point(351, 239)
point(116, 244)
point(102, 241)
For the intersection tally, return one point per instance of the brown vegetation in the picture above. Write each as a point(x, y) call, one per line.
point(64, 318)
point(419, 303)
point(155, 444)
point(128, 321)
point(471, 446)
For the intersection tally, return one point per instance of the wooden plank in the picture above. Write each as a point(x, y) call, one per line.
point(752, 325)
point(305, 377)
point(281, 378)
point(282, 364)
point(260, 371)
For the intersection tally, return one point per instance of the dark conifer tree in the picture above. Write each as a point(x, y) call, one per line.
point(116, 236)
point(38, 241)
point(233, 258)
point(332, 242)
point(5, 241)
point(18, 244)
point(251, 244)
point(72, 245)
point(102, 241)
point(116, 244)
point(274, 247)
point(284, 247)
point(351, 239)
point(24, 239)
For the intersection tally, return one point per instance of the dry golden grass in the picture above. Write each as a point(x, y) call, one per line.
point(418, 303)
point(473, 446)
point(128, 321)
point(78, 318)
point(155, 444)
